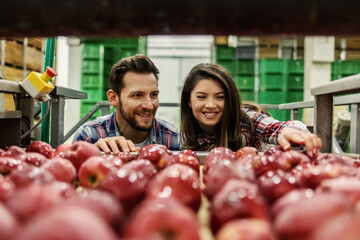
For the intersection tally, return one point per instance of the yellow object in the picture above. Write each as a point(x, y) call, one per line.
point(38, 85)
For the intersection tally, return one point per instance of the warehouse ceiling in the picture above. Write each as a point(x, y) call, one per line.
point(132, 18)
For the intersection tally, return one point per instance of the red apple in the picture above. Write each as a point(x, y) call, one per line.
point(7, 164)
point(248, 228)
point(127, 185)
point(157, 154)
point(325, 158)
point(7, 188)
point(290, 159)
point(33, 158)
point(344, 227)
point(161, 218)
point(68, 222)
point(274, 184)
point(115, 160)
point(349, 186)
point(62, 169)
point(41, 147)
point(275, 150)
point(93, 170)
point(9, 226)
point(14, 151)
point(261, 164)
point(28, 174)
point(188, 160)
point(190, 153)
point(299, 223)
point(79, 152)
point(61, 149)
point(126, 156)
point(100, 202)
point(221, 172)
point(237, 199)
point(30, 200)
point(178, 181)
point(2, 152)
point(290, 199)
point(311, 177)
point(246, 151)
point(217, 154)
point(143, 167)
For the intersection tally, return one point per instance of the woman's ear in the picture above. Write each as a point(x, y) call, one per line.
point(113, 97)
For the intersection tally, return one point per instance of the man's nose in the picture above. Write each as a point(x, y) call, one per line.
point(147, 103)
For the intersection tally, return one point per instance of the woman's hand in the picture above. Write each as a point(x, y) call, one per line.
point(291, 135)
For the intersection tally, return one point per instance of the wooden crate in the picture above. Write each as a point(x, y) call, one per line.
point(14, 55)
point(268, 42)
point(265, 52)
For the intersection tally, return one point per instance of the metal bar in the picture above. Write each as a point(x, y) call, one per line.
point(355, 128)
point(57, 121)
point(323, 120)
point(294, 114)
point(25, 43)
point(341, 86)
point(7, 86)
point(49, 61)
point(125, 18)
point(2, 58)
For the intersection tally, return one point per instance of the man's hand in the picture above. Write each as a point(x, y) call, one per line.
point(116, 145)
point(290, 135)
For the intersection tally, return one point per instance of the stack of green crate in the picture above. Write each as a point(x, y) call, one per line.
point(98, 56)
point(225, 56)
point(273, 74)
point(242, 70)
point(296, 82)
point(96, 64)
point(341, 69)
point(244, 79)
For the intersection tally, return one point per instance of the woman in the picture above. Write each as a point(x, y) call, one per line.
point(212, 115)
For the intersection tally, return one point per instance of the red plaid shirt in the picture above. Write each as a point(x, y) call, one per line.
point(267, 131)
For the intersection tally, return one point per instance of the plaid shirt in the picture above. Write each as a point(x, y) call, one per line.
point(267, 131)
point(162, 132)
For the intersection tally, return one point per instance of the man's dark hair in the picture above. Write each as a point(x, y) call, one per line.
point(138, 63)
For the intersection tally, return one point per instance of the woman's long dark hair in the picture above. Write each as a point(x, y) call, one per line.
point(228, 130)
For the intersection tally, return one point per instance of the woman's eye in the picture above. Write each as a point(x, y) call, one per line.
point(201, 97)
point(221, 97)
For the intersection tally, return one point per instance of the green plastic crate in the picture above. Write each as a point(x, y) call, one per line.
point(229, 65)
point(91, 66)
point(272, 82)
point(244, 82)
point(272, 97)
point(296, 81)
point(346, 67)
point(273, 65)
point(95, 94)
point(246, 95)
point(295, 95)
point(225, 52)
point(296, 66)
point(246, 67)
point(94, 81)
point(338, 76)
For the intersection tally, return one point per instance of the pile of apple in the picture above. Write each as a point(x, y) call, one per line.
point(282, 195)
point(76, 192)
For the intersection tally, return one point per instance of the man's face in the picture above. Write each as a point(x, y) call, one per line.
point(139, 100)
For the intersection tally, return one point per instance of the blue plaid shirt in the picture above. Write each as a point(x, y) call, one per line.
point(162, 132)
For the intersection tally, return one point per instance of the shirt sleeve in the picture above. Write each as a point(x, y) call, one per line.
point(268, 129)
point(82, 134)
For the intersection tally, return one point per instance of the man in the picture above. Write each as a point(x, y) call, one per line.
point(134, 94)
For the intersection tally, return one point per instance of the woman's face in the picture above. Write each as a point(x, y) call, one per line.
point(207, 101)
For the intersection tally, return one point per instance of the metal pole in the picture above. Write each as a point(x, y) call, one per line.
point(49, 61)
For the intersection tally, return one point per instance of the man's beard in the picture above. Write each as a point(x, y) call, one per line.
point(132, 121)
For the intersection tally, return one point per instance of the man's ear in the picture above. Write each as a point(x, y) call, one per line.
point(113, 97)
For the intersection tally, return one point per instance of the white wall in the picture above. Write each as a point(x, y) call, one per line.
point(175, 56)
